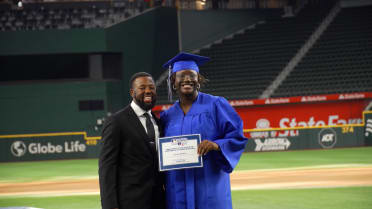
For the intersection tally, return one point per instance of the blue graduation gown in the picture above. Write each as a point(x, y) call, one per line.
point(208, 187)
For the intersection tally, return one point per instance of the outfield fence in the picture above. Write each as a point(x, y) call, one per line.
point(73, 145)
point(314, 137)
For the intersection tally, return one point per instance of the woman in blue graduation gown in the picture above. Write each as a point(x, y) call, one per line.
point(221, 130)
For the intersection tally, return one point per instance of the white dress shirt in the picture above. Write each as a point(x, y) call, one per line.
point(139, 112)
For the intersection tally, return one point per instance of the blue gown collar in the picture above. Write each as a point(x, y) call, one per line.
point(178, 105)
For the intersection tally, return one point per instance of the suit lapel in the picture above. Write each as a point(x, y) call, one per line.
point(137, 125)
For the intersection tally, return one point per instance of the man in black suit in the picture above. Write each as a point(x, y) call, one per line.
point(128, 164)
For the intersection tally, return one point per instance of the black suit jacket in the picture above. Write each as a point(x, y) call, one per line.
point(128, 165)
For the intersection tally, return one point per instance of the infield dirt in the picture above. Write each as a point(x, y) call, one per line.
point(240, 180)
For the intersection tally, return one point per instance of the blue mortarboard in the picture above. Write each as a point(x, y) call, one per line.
point(183, 61)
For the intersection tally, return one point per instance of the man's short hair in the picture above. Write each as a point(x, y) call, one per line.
point(137, 75)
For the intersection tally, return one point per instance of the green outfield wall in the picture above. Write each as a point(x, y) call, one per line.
point(70, 145)
point(51, 107)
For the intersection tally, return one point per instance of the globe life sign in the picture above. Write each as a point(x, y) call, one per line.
point(45, 148)
point(18, 148)
point(49, 148)
point(38, 148)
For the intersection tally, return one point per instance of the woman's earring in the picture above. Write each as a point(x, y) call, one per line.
point(198, 87)
point(174, 87)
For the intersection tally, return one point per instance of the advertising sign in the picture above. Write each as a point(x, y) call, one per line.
point(314, 138)
point(368, 127)
point(45, 148)
point(302, 111)
point(301, 115)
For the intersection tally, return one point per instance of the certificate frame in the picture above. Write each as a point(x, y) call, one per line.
point(179, 141)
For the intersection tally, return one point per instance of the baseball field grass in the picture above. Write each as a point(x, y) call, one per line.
point(87, 168)
point(306, 158)
point(59, 202)
point(330, 198)
point(309, 198)
point(312, 198)
point(48, 170)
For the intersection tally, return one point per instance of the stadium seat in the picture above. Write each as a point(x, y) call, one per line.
point(340, 62)
point(244, 66)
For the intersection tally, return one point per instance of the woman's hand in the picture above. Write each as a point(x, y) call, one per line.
point(205, 146)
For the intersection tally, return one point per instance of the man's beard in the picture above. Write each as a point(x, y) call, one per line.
point(145, 106)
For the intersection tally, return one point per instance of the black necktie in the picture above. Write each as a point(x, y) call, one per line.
point(150, 127)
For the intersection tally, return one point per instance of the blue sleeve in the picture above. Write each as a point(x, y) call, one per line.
point(163, 117)
point(232, 141)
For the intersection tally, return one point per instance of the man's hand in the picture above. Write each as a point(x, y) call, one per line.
point(205, 146)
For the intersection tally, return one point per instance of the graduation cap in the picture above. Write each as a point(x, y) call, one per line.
point(183, 61)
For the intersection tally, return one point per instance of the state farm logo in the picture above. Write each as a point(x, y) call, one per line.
point(18, 148)
point(277, 100)
point(327, 138)
point(262, 123)
point(241, 102)
point(351, 96)
point(294, 122)
point(313, 98)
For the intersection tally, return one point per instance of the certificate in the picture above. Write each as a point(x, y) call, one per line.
point(179, 152)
